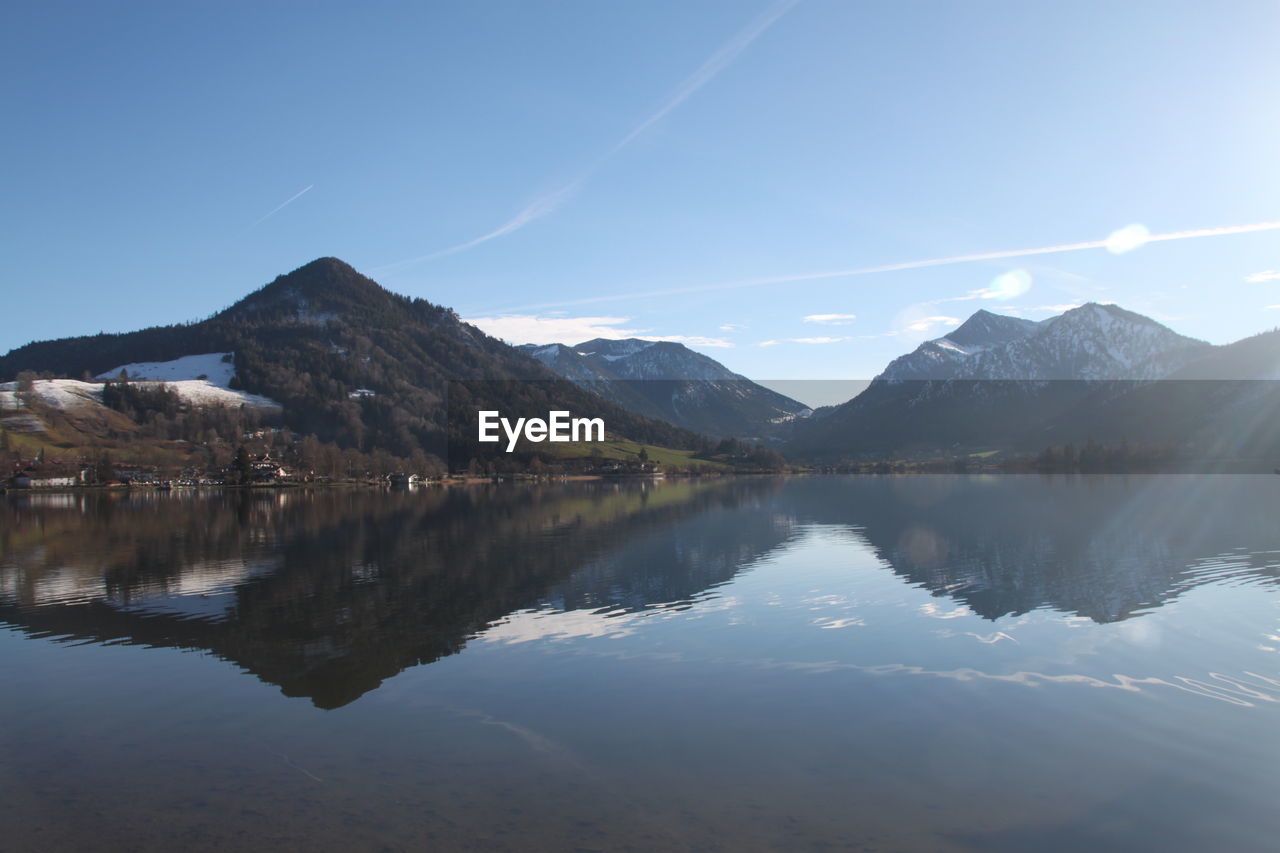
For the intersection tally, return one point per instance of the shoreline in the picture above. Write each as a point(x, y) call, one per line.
point(454, 482)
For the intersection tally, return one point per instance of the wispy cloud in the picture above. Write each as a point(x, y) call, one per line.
point(1271, 307)
point(1019, 311)
point(928, 324)
point(831, 319)
point(290, 200)
point(1265, 275)
point(548, 329)
point(549, 203)
point(949, 260)
point(820, 340)
point(543, 329)
point(690, 340)
point(732, 327)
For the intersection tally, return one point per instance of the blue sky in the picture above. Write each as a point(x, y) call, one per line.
point(692, 170)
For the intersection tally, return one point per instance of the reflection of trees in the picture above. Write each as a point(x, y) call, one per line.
point(328, 594)
point(1101, 547)
point(336, 591)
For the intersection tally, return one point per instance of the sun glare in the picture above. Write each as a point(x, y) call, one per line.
point(1127, 239)
point(1008, 285)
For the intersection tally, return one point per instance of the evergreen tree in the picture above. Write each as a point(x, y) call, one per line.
point(242, 466)
point(103, 470)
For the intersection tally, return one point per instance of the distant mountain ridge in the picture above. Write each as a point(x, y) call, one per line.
point(945, 357)
point(1089, 342)
point(1095, 371)
point(667, 380)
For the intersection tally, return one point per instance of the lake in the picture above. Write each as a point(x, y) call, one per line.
point(949, 663)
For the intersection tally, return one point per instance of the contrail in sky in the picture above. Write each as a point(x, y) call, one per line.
point(550, 202)
point(536, 209)
point(719, 61)
point(286, 203)
point(1120, 241)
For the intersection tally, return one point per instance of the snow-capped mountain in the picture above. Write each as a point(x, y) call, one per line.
point(636, 359)
point(954, 353)
point(1090, 342)
point(1096, 371)
point(667, 380)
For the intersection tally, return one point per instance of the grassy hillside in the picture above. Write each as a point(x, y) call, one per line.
point(624, 450)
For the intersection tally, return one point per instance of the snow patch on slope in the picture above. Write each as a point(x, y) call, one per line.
point(201, 392)
point(70, 394)
point(201, 380)
point(946, 343)
point(57, 393)
point(217, 368)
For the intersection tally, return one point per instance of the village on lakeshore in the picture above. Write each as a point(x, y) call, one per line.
point(265, 470)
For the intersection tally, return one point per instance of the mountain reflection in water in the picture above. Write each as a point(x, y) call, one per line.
point(949, 664)
point(327, 594)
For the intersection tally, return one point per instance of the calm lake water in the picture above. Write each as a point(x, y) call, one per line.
point(921, 663)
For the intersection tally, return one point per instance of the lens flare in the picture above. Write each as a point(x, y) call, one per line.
point(1127, 239)
point(1008, 285)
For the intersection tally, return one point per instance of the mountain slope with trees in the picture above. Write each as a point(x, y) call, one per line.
point(353, 364)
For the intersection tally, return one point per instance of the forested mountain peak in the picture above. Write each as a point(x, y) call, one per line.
point(324, 289)
point(351, 362)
